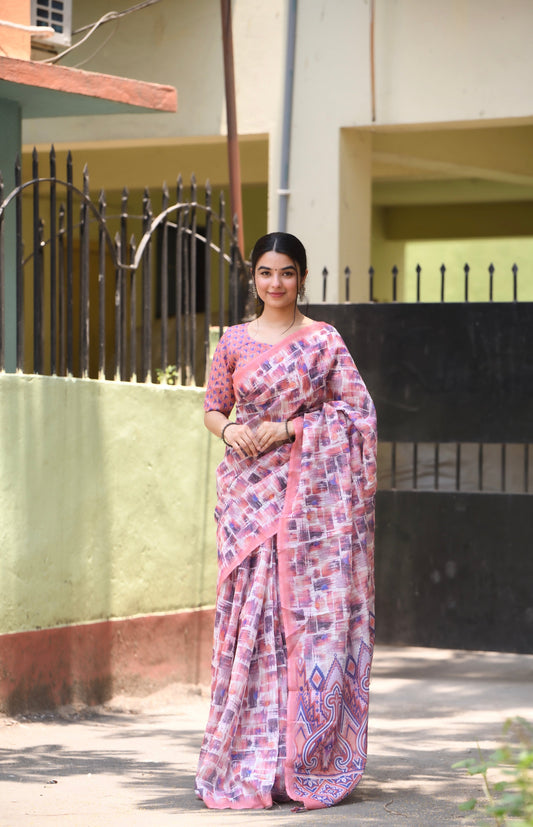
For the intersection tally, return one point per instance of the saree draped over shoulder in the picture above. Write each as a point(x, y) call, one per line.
point(294, 626)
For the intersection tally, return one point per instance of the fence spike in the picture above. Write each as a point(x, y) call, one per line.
point(347, 274)
point(491, 281)
point(394, 283)
point(371, 283)
point(467, 271)
point(442, 281)
point(147, 204)
point(324, 283)
point(514, 268)
point(418, 271)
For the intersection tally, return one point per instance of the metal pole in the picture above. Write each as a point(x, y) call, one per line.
point(231, 113)
point(284, 191)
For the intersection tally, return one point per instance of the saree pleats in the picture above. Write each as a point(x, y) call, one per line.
point(242, 759)
point(294, 628)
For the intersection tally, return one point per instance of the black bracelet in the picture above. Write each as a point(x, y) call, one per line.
point(289, 437)
point(222, 434)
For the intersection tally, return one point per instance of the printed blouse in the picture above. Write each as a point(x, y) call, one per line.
point(235, 349)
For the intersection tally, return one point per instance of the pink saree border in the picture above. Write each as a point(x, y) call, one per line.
point(252, 364)
point(292, 485)
point(295, 453)
point(284, 589)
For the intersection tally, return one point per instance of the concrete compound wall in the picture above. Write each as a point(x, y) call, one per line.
point(108, 567)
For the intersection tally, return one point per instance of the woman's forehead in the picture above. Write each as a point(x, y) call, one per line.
point(277, 260)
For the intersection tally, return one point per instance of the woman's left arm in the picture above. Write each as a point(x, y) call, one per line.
point(269, 434)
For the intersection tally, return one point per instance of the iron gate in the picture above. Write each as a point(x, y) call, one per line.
point(121, 294)
point(453, 387)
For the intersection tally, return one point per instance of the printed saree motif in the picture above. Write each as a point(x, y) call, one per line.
point(294, 626)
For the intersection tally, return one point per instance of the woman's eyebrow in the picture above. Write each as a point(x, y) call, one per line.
point(288, 267)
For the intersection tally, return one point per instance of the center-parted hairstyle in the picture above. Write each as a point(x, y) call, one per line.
point(284, 243)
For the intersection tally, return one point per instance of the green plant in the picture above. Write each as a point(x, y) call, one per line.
point(511, 798)
point(168, 376)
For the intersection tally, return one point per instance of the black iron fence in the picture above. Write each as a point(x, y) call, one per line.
point(124, 294)
point(133, 291)
point(452, 386)
point(456, 466)
point(445, 278)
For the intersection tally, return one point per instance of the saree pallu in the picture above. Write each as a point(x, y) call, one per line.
point(294, 625)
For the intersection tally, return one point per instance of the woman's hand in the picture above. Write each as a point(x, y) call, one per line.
point(242, 439)
point(269, 434)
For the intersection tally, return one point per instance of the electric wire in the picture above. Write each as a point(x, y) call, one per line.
point(90, 28)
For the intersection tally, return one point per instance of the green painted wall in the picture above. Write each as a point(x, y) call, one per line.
point(107, 493)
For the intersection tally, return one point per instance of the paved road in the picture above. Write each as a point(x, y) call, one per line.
point(131, 763)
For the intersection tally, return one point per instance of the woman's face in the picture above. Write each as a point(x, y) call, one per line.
point(277, 280)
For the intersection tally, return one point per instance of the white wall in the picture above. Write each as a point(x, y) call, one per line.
point(464, 63)
point(453, 61)
point(331, 91)
point(179, 42)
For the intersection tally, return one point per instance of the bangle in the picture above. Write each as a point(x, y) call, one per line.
point(222, 434)
point(289, 437)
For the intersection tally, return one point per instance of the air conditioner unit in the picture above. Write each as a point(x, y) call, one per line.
point(58, 15)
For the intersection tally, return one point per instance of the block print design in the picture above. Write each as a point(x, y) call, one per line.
point(294, 624)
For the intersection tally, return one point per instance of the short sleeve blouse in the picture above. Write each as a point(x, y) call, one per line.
point(235, 349)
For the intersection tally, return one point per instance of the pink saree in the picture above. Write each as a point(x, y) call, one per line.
point(294, 625)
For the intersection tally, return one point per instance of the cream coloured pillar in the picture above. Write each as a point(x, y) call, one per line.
point(355, 211)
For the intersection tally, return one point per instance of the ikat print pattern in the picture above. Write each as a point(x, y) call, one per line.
point(243, 754)
point(301, 517)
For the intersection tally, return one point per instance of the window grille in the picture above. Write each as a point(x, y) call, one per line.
point(58, 15)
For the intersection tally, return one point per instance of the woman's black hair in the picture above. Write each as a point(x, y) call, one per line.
point(284, 243)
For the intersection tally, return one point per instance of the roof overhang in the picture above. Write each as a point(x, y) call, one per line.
point(44, 90)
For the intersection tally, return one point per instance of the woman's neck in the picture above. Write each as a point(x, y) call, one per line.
point(279, 319)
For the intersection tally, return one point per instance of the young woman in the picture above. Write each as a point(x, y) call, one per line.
point(294, 626)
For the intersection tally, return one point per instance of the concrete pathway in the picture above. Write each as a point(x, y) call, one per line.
point(131, 763)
